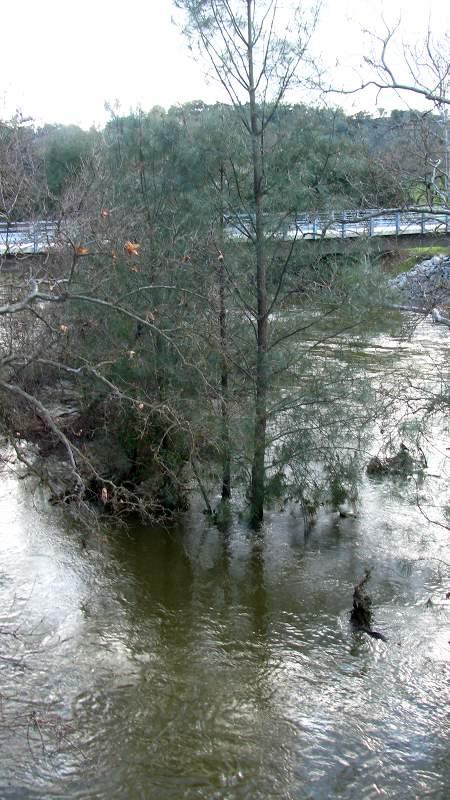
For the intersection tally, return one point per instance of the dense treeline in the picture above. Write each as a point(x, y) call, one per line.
point(144, 315)
point(328, 159)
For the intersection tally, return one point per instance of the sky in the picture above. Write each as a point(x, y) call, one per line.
point(62, 61)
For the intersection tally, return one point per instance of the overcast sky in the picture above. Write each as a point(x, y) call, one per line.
point(61, 61)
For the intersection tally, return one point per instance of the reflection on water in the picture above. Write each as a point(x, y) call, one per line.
point(197, 663)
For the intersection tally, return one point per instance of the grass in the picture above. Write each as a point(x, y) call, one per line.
point(409, 258)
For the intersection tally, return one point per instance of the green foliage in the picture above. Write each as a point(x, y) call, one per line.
point(151, 353)
point(21, 178)
point(63, 150)
point(174, 175)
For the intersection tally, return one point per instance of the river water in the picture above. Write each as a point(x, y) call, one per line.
point(188, 662)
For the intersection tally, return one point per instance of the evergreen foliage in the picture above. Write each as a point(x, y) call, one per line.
point(150, 308)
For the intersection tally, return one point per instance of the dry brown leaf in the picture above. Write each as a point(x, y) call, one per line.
point(131, 248)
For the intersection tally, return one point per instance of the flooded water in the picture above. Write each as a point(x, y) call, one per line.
point(195, 663)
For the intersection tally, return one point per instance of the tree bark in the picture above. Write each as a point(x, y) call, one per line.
point(226, 457)
point(224, 397)
point(260, 423)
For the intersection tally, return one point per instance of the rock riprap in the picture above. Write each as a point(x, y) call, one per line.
point(426, 285)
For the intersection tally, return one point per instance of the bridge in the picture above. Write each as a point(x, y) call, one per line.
point(41, 236)
point(367, 223)
point(28, 238)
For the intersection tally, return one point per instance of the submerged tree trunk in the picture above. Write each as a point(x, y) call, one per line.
point(226, 454)
point(260, 423)
point(224, 390)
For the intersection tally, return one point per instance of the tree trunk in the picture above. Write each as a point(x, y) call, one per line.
point(259, 441)
point(226, 450)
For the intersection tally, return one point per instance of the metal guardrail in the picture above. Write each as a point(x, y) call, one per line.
point(40, 236)
point(27, 238)
point(344, 225)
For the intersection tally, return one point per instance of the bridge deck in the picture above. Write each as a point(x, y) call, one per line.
point(347, 225)
point(30, 238)
point(27, 238)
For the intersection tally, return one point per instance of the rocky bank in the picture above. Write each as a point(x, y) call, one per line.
point(426, 287)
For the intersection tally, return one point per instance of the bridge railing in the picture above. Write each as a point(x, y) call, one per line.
point(27, 238)
point(40, 236)
point(344, 225)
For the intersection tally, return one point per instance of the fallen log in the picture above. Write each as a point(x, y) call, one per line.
point(436, 315)
point(439, 318)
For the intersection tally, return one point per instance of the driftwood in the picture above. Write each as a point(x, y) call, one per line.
point(361, 614)
point(439, 318)
point(436, 314)
point(408, 307)
point(401, 464)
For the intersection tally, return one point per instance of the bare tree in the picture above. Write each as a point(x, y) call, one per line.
point(418, 72)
